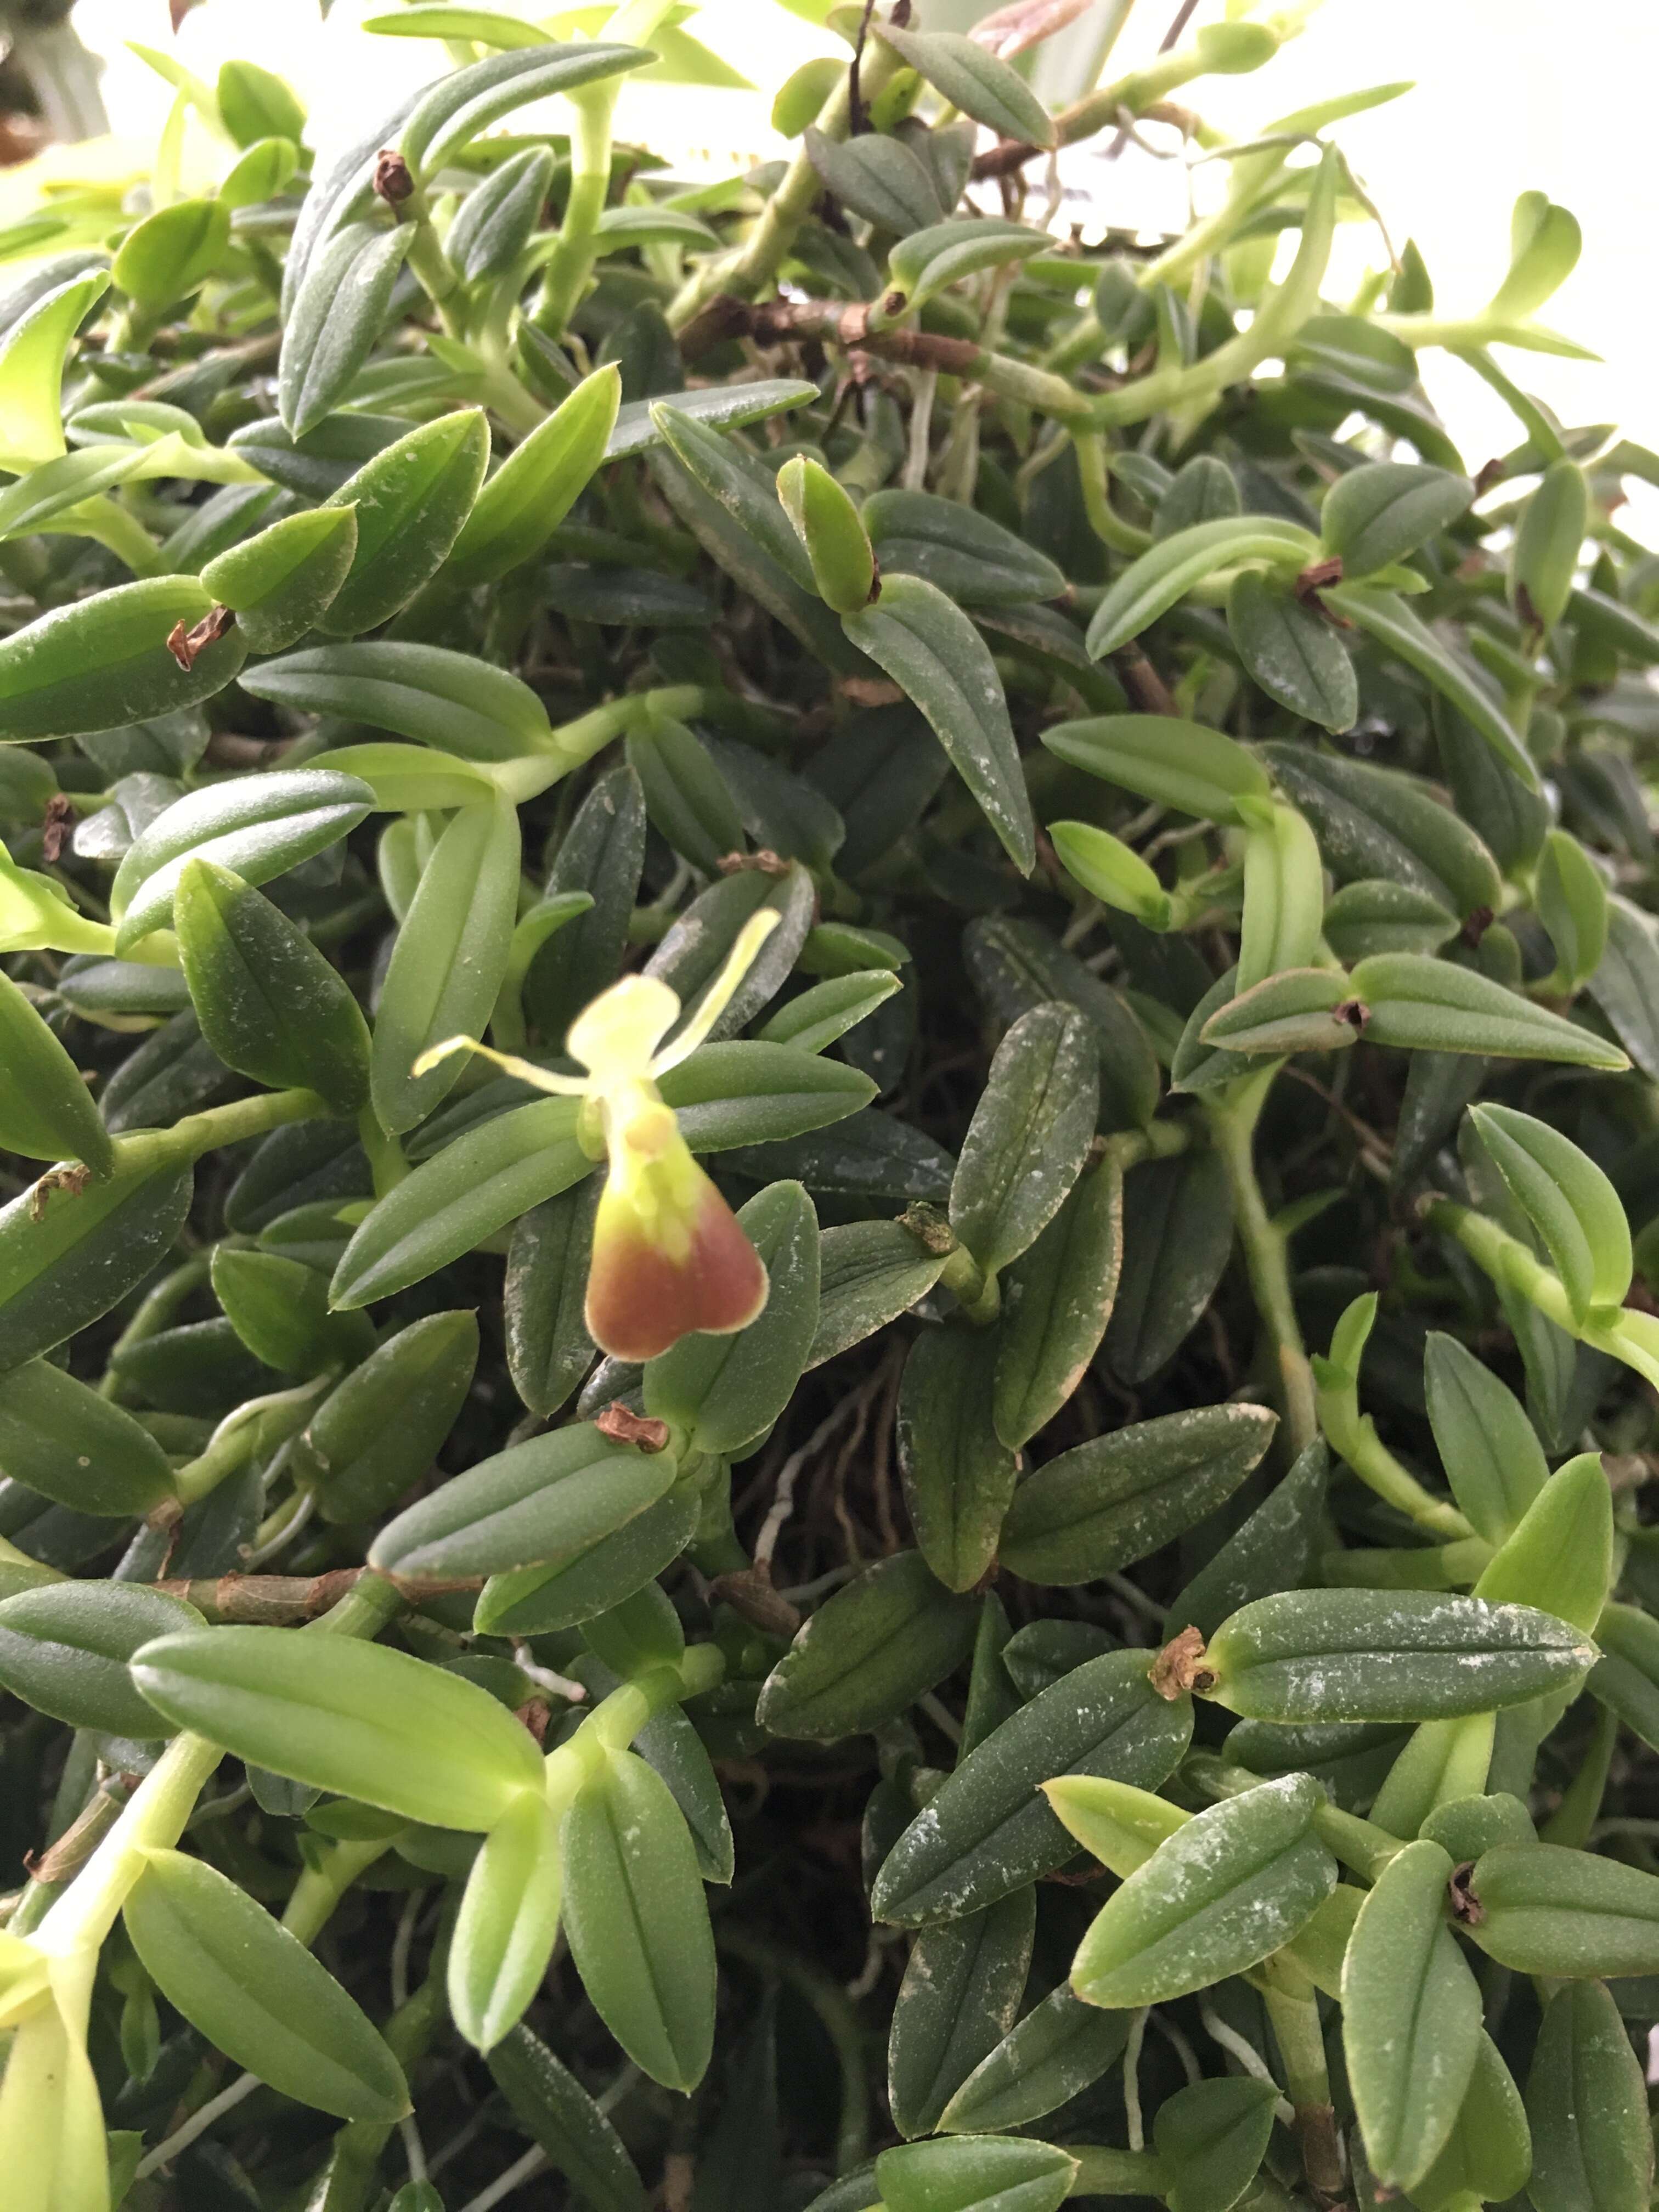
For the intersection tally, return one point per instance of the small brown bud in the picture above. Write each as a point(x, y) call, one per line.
point(1354, 1012)
point(766, 862)
point(1315, 576)
point(392, 181)
point(534, 1716)
point(625, 1427)
point(1475, 925)
point(929, 1227)
point(1179, 1667)
point(1467, 1909)
point(56, 826)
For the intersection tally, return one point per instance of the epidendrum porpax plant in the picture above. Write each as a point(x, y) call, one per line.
point(1035, 1508)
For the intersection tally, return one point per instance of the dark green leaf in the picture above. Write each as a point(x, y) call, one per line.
point(871, 1651)
point(958, 1477)
point(1106, 1504)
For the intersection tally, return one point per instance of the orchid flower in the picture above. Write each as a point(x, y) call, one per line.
point(669, 1254)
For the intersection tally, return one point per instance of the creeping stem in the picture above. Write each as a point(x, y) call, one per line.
point(753, 268)
point(1233, 1114)
point(571, 263)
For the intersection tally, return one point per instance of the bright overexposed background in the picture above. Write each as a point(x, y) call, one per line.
point(1510, 94)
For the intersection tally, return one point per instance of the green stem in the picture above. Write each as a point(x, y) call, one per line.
point(1622, 1332)
point(386, 1155)
point(1094, 474)
point(754, 268)
point(433, 272)
point(1363, 1847)
point(1456, 333)
point(155, 1309)
point(1232, 1116)
point(1354, 1436)
point(354, 2161)
point(153, 1819)
point(1575, 1816)
point(319, 1888)
point(1101, 2171)
point(573, 744)
point(1510, 1263)
point(371, 1604)
point(219, 1125)
point(237, 1436)
point(571, 260)
point(972, 1286)
point(1296, 2025)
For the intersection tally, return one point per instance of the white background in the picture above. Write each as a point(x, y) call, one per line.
point(1510, 94)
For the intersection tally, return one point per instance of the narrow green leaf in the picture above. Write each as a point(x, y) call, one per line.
point(336, 318)
point(988, 1830)
point(509, 1918)
point(565, 2120)
point(1150, 586)
point(961, 1990)
point(1418, 1005)
point(1386, 618)
point(256, 827)
point(538, 484)
point(1493, 1461)
point(1387, 1655)
point(448, 962)
point(256, 1993)
point(868, 1652)
point(1384, 510)
point(1592, 2148)
point(1120, 1497)
point(1218, 1895)
point(269, 1004)
point(279, 581)
point(975, 81)
point(937, 658)
point(46, 1111)
point(1411, 2017)
point(1541, 1908)
point(65, 1648)
point(537, 1503)
point(1161, 758)
point(412, 500)
point(638, 1922)
point(375, 1724)
point(958, 1477)
point(1290, 649)
point(1029, 1135)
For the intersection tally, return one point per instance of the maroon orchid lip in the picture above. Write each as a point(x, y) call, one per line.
point(642, 1298)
